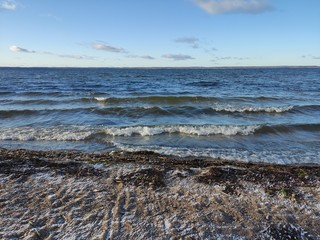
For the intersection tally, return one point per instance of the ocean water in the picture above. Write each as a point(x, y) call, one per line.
point(245, 114)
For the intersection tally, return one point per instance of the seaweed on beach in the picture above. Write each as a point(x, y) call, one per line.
point(282, 180)
point(153, 195)
point(28, 163)
point(284, 231)
point(144, 177)
point(276, 179)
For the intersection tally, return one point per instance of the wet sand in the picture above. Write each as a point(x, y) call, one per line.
point(121, 195)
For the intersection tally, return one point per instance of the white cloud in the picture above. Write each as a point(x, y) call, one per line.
point(19, 49)
point(104, 47)
point(233, 6)
point(8, 5)
point(177, 57)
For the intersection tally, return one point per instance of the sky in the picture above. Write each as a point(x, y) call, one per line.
point(161, 33)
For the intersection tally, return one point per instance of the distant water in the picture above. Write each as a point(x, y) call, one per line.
point(259, 115)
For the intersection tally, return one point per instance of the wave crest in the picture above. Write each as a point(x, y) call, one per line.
point(204, 130)
point(251, 109)
point(44, 134)
point(85, 133)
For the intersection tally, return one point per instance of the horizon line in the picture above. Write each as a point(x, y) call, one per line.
point(189, 67)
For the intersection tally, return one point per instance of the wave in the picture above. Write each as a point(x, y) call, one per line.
point(157, 99)
point(278, 129)
point(207, 130)
point(202, 130)
point(252, 109)
point(11, 113)
point(14, 113)
point(132, 112)
point(204, 84)
point(138, 111)
point(176, 99)
point(43, 93)
point(77, 133)
point(86, 133)
point(6, 93)
point(267, 156)
point(45, 134)
point(31, 101)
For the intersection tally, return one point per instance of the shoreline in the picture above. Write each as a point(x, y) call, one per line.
point(123, 195)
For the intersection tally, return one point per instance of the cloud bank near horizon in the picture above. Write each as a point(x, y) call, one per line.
point(192, 41)
point(104, 47)
point(234, 6)
point(177, 57)
point(17, 49)
point(147, 57)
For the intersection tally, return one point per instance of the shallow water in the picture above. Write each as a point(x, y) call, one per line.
point(248, 114)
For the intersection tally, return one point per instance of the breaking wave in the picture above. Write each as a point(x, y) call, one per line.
point(249, 109)
point(85, 133)
point(202, 130)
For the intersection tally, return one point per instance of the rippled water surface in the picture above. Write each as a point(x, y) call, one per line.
point(260, 114)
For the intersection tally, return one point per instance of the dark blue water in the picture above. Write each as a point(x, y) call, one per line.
point(246, 114)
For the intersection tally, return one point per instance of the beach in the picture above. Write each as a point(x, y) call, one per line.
point(145, 195)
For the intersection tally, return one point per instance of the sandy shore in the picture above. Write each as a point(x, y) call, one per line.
point(72, 195)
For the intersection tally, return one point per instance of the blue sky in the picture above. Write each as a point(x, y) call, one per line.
point(164, 33)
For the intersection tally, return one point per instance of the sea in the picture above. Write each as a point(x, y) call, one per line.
point(269, 115)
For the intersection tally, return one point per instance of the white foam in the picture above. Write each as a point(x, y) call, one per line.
point(277, 157)
point(80, 133)
point(241, 109)
point(202, 130)
point(101, 99)
point(45, 134)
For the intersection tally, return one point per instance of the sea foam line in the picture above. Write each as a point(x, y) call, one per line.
point(81, 133)
point(45, 134)
point(77, 133)
point(202, 130)
point(267, 156)
point(243, 109)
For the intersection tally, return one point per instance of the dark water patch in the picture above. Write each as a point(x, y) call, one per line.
point(158, 99)
point(6, 93)
point(307, 108)
point(31, 101)
point(44, 93)
point(203, 84)
point(132, 111)
point(15, 113)
point(278, 129)
point(40, 112)
point(177, 99)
